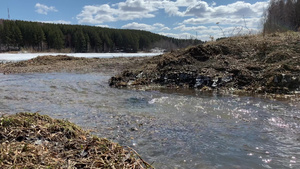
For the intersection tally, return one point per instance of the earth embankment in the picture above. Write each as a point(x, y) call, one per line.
point(64, 63)
point(256, 64)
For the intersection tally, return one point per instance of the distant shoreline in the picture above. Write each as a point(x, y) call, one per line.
point(65, 63)
point(26, 56)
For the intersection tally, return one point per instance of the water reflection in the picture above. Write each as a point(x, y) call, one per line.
point(181, 129)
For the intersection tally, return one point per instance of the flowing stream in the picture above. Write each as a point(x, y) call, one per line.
point(169, 129)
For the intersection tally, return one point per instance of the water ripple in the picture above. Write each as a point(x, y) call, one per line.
point(172, 129)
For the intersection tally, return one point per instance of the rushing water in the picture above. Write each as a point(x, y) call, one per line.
point(168, 129)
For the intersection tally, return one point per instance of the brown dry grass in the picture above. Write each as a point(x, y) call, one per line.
point(63, 63)
point(30, 140)
point(254, 63)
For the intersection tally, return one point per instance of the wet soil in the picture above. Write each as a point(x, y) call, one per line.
point(253, 64)
point(30, 140)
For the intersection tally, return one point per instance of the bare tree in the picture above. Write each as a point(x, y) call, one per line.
point(282, 15)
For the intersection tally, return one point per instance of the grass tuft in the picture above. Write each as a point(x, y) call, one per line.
point(31, 140)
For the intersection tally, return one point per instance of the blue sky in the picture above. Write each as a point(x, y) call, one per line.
point(199, 19)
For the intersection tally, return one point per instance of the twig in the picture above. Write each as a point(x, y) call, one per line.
point(246, 24)
point(147, 164)
point(221, 29)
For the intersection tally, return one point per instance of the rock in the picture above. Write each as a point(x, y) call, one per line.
point(134, 129)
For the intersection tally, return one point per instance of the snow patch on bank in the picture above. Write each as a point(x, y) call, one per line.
point(26, 56)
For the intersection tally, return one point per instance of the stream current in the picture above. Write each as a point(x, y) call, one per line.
point(169, 129)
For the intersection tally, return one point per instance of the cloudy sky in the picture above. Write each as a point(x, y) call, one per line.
point(199, 19)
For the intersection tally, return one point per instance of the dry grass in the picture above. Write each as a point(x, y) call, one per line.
point(30, 140)
point(63, 63)
point(252, 64)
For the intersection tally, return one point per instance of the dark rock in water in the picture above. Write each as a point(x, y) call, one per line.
point(227, 79)
point(282, 83)
point(118, 82)
point(177, 78)
point(202, 81)
point(134, 129)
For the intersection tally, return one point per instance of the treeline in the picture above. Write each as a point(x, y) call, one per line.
point(15, 35)
point(282, 15)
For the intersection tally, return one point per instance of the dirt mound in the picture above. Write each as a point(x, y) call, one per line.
point(30, 140)
point(63, 63)
point(256, 64)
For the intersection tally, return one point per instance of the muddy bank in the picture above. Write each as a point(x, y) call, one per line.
point(30, 140)
point(254, 64)
point(63, 63)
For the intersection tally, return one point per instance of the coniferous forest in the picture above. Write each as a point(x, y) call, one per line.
point(282, 15)
point(36, 36)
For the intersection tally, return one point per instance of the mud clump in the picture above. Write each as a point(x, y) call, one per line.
point(255, 64)
point(31, 140)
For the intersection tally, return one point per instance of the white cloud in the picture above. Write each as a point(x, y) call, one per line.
point(235, 10)
point(213, 3)
point(57, 22)
point(43, 9)
point(173, 10)
point(249, 22)
point(141, 26)
point(138, 9)
point(184, 35)
point(136, 6)
point(201, 9)
point(97, 14)
point(161, 27)
point(128, 10)
point(192, 28)
point(138, 26)
point(193, 16)
point(165, 29)
point(233, 19)
point(103, 26)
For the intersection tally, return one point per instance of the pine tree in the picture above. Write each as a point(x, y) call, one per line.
point(12, 35)
point(80, 41)
point(1, 35)
point(54, 37)
point(38, 36)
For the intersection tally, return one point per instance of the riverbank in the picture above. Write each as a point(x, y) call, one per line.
point(248, 64)
point(249, 129)
point(30, 140)
point(64, 63)
point(15, 57)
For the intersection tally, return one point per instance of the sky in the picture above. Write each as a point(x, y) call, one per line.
point(184, 19)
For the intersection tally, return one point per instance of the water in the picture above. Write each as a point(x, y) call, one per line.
point(169, 129)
